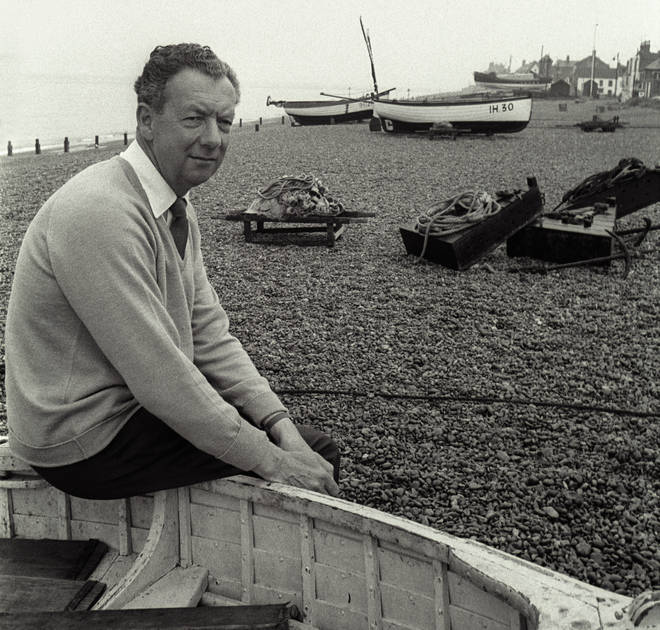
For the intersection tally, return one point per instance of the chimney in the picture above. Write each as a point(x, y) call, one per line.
point(645, 47)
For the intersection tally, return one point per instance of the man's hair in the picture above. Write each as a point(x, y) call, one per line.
point(165, 61)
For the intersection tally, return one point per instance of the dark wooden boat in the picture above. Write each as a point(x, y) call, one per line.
point(520, 81)
point(252, 544)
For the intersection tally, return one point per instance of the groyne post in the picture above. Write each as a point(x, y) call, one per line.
point(125, 138)
point(66, 144)
point(260, 121)
point(282, 119)
point(10, 149)
point(240, 122)
point(37, 146)
point(256, 127)
point(96, 142)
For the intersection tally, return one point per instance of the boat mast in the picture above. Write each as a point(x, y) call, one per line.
point(367, 41)
point(593, 62)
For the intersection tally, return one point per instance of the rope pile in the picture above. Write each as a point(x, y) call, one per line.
point(289, 197)
point(626, 169)
point(454, 214)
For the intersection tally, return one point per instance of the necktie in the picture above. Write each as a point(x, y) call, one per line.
point(179, 225)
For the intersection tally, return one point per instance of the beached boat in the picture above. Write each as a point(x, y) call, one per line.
point(243, 545)
point(521, 81)
point(325, 112)
point(485, 114)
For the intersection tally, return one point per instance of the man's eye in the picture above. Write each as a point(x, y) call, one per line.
point(193, 120)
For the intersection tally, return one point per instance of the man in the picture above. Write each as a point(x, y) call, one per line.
point(121, 375)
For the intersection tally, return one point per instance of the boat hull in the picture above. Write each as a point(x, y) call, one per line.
point(494, 82)
point(483, 116)
point(328, 112)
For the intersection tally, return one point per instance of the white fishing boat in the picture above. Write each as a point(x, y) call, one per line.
point(230, 551)
point(484, 114)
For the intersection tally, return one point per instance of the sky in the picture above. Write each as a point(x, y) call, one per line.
point(417, 44)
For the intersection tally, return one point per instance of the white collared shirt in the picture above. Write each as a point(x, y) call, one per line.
point(160, 194)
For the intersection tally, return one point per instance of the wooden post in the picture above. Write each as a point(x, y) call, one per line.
point(66, 144)
point(240, 122)
point(125, 138)
point(37, 146)
point(96, 142)
point(282, 119)
point(10, 149)
point(260, 121)
point(256, 127)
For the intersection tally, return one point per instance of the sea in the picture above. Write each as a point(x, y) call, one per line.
point(49, 108)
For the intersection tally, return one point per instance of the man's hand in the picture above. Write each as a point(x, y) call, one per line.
point(298, 465)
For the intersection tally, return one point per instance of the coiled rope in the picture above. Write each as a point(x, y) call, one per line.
point(296, 197)
point(454, 214)
point(626, 169)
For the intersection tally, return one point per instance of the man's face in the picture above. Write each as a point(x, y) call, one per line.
point(189, 138)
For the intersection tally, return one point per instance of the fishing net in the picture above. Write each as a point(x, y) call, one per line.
point(295, 197)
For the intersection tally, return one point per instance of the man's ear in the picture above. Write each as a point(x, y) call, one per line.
point(145, 119)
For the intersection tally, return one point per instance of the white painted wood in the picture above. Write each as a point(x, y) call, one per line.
point(6, 513)
point(124, 528)
point(64, 511)
point(212, 599)
point(179, 588)
point(247, 552)
point(308, 565)
point(159, 555)
point(441, 596)
point(185, 530)
point(372, 574)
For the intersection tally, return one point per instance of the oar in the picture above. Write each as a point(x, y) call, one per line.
point(364, 98)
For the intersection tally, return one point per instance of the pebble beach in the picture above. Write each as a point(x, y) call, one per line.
point(518, 409)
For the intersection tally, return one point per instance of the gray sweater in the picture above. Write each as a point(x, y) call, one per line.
point(104, 318)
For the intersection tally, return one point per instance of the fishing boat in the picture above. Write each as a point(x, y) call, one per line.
point(521, 81)
point(236, 548)
point(326, 112)
point(476, 114)
point(472, 113)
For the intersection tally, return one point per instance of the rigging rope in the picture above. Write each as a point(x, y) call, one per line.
point(455, 214)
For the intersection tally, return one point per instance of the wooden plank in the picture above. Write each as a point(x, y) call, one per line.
point(247, 552)
point(6, 513)
point(124, 528)
point(341, 552)
point(159, 555)
point(341, 588)
point(402, 570)
point(465, 595)
point(408, 608)
point(64, 512)
point(265, 595)
point(109, 534)
point(33, 526)
point(464, 620)
point(38, 502)
point(331, 616)
point(211, 599)
point(215, 523)
point(373, 576)
point(225, 587)
point(271, 534)
point(185, 527)
point(234, 617)
point(113, 567)
point(95, 511)
point(308, 565)
point(47, 558)
point(201, 496)
point(30, 594)
point(180, 588)
point(276, 570)
point(142, 509)
point(276, 513)
point(441, 596)
point(222, 558)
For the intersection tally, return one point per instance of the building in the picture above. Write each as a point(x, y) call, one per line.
point(605, 79)
point(642, 75)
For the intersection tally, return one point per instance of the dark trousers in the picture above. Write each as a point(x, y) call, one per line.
point(146, 456)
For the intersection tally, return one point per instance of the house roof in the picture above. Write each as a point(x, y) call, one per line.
point(654, 65)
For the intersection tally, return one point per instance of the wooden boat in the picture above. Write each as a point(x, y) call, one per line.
point(325, 112)
point(485, 114)
point(338, 565)
point(521, 81)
